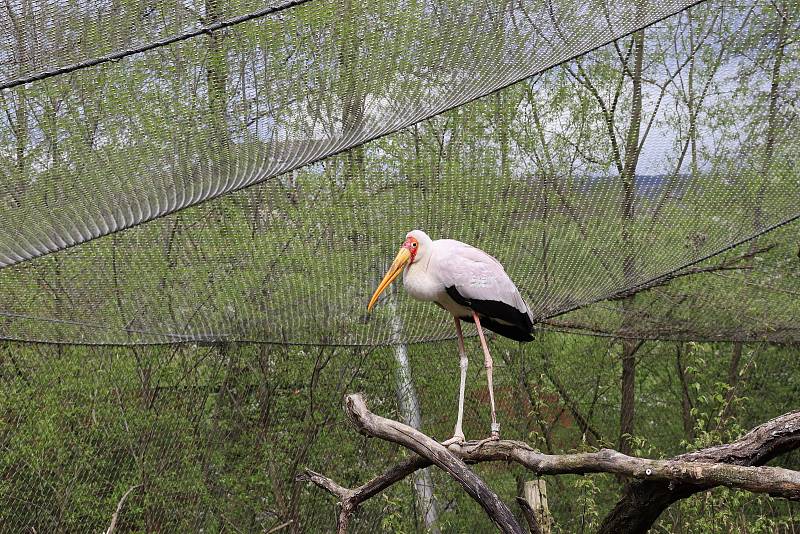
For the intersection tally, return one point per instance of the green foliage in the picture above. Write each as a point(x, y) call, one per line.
point(220, 432)
point(213, 434)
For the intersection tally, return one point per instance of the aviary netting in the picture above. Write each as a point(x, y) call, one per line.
point(194, 176)
point(204, 175)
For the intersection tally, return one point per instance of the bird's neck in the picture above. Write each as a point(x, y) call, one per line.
point(419, 283)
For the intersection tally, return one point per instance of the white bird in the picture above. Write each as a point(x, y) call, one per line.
point(473, 287)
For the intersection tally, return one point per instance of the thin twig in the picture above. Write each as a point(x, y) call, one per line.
point(115, 516)
point(530, 516)
point(280, 527)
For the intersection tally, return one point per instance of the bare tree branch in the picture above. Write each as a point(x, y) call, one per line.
point(374, 425)
point(115, 516)
point(592, 435)
point(350, 499)
point(644, 500)
point(530, 516)
point(665, 481)
point(732, 264)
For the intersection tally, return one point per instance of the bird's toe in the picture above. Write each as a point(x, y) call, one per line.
point(495, 436)
point(457, 439)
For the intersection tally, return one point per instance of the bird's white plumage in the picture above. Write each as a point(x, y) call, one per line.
point(471, 285)
point(473, 273)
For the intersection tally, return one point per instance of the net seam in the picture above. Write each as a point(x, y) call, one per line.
point(347, 147)
point(656, 279)
point(159, 43)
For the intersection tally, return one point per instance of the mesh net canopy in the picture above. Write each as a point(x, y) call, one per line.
point(193, 173)
point(279, 161)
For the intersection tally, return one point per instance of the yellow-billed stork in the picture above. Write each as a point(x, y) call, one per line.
point(473, 287)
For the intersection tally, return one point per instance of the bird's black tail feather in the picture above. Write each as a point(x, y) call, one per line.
point(511, 332)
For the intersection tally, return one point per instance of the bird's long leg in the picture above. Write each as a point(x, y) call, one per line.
point(488, 363)
point(458, 433)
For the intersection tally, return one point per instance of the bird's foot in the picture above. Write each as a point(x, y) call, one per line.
point(456, 439)
point(494, 437)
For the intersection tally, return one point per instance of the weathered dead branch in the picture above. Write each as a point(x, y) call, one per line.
point(530, 516)
point(433, 451)
point(659, 484)
point(643, 501)
point(115, 515)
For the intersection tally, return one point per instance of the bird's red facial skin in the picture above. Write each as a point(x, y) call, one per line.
point(412, 245)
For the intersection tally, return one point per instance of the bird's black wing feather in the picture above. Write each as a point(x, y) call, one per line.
point(497, 316)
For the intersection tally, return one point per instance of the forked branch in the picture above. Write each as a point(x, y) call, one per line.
point(732, 465)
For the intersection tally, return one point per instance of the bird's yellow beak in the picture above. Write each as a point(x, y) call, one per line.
point(402, 259)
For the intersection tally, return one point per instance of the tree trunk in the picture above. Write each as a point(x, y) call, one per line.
point(733, 378)
point(758, 212)
point(686, 399)
point(630, 346)
point(628, 401)
point(410, 414)
point(772, 117)
point(352, 92)
point(217, 75)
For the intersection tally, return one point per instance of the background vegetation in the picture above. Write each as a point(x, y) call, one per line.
point(606, 185)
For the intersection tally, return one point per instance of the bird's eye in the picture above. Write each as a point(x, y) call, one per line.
point(414, 245)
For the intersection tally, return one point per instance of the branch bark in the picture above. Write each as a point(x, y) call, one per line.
point(661, 482)
point(530, 516)
point(115, 516)
point(374, 425)
point(644, 500)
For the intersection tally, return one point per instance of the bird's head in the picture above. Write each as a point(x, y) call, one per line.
point(413, 249)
